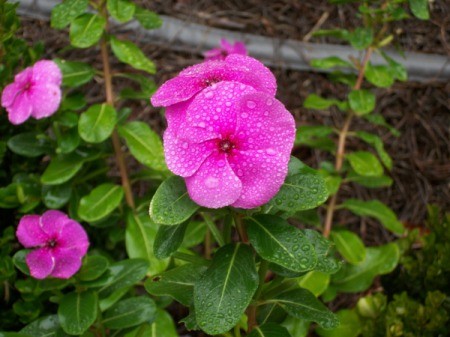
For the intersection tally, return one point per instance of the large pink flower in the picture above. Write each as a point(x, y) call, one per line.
point(60, 244)
point(232, 143)
point(225, 49)
point(35, 92)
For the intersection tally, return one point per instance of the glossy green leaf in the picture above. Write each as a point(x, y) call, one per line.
point(78, 311)
point(147, 85)
point(349, 245)
point(269, 330)
point(93, 267)
point(65, 12)
point(86, 30)
point(296, 327)
point(314, 101)
point(68, 141)
point(337, 33)
point(380, 76)
point(147, 19)
point(375, 209)
point(100, 202)
point(315, 281)
point(355, 278)
point(130, 312)
point(177, 283)
point(144, 144)
point(168, 240)
point(75, 73)
point(56, 196)
point(301, 303)
point(370, 182)
point(377, 143)
point(163, 326)
point(225, 290)
point(20, 262)
point(365, 163)
point(171, 204)
point(195, 234)
point(277, 241)
point(61, 169)
point(14, 334)
point(330, 62)
point(361, 101)
point(420, 9)
point(46, 326)
point(127, 52)
point(398, 70)
point(361, 38)
point(29, 144)
point(326, 260)
point(97, 123)
point(315, 136)
point(140, 236)
point(350, 325)
point(121, 10)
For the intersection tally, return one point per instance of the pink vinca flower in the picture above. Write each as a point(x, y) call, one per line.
point(225, 49)
point(60, 243)
point(35, 92)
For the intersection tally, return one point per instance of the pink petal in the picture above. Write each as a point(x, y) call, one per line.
point(182, 157)
point(67, 263)
point(52, 223)
point(239, 48)
point(214, 185)
point(176, 90)
point(24, 77)
point(213, 54)
point(40, 262)
point(264, 123)
point(10, 93)
point(74, 237)
point(29, 232)
point(261, 173)
point(176, 114)
point(46, 71)
point(45, 99)
point(20, 110)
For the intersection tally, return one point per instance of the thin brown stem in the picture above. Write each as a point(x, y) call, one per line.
point(115, 137)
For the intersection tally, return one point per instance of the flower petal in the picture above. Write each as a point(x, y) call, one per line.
point(261, 172)
point(24, 77)
point(214, 185)
point(52, 223)
point(46, 71)
point(44, 98)
point(29, 232)
point(67, 263)
point(20, 110)
point(40, 262)
point(10, 93)
point(176, 90)
point(73, 236)
point(264, 123)
point(176, 115)
point(182, 157)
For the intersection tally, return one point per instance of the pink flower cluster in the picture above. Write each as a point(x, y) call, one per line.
point(35, 92)
point(225, 49)
point(227, 134)
point(60, 243)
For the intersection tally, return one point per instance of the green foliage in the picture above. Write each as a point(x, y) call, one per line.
point(129, 53)
point(103, 200)
point(97, 123)
point(64, 13)
point(77, 311)
point(86, 30)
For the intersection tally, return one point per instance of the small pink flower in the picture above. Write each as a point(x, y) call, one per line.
point(35, 92)
point(225, 49)
point(60, 244)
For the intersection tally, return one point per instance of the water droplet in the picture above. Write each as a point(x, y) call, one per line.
point(295, 248)
point(221, 163)
point(306, 248)
point(185, 145)
point(209, 94)
point(278, 201)
point(296, 197)
point(271, 152)
point(228, 103)
point(269, 101)
point(202, 124)
point(244, 115)
point(251, 104)
point(240, 173)
point(211, 182)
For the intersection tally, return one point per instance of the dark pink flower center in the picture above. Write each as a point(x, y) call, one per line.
point(212, 80)
point(52, 243)
point(226, 146)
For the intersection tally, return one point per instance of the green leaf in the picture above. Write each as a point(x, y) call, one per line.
point(68, 141)
point(97, 123)
point(29, 144)
point(375, 209)
point(144, 144)
point(100, 202)
point(330, 62)
point(361, 38)
point(315, 281)
point(326, 260)
point(140, 236)
point(337, 33)
point(420, 9)
point(277, 241)
point(86, 30)
point(73, 102)
point(56, 196)
point(361, 101)
point(168, 240)
point(315, 136)
point(171, 204)
point(365, 163)
point(163, 326)
point(78, 311)
point(355, 278)
point(13, 334)
point(296, 327)
point(130, 312)
point(93, 267)
point(225, 290)
point(370, 182)
point(127, 52)
point(75, 73)
point(350, 325)
point(46, 326)
point(147, 19)
point(377, 143)
point(148, 87)
point(398, 70)
point(349, 245)
point(269, 330)
point(316, 102)
point(302, 304)
point(177, 283)
point(65, 12)
point(378, 119)
point(195, 234)
point(61, 169)
point(121, 10)
point(380, 76)
point(20, 262)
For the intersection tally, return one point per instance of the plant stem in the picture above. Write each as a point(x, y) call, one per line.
point(343, 133)
point(251, 312)
point(110, 100)
point(240, 227)
point(213, 229)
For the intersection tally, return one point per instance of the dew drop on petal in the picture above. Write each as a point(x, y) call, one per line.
point(269, 101)
point(251, 104)
point(202, 124)
point(185, 145)
point(209, 94)
point(244, 115)
point(221, 163)
point(211, 182)
point(271, 152)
